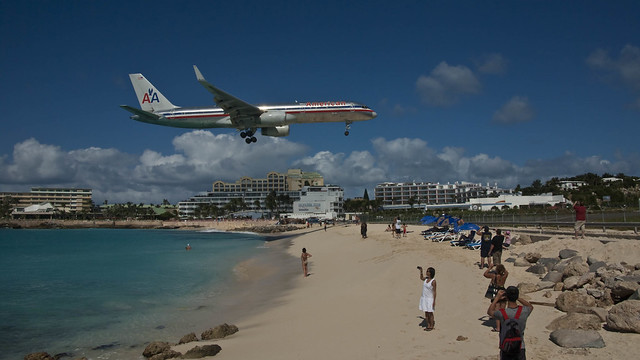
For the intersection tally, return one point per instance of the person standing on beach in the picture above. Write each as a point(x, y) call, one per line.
point(363, 229)
point(428, 298)
point(485, 247)
point(513, 316)
point(305, 266)
point(496, 248)
point(581, 218)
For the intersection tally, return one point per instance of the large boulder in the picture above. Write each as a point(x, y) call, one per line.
point(575, 269)
point(38, 356)
point(202, 351)
point(549, 263)
point(219, 332)
point(625, 316)
point(593, 267)
point(576, 321)
point(573, 301)
point(155, 348)
point(577, 338)
point(621, 290)
point(526, 288)
point(567, 253)
point(188, 338)
point(537, 269)
point(553, 276)
point(167, 354)
point(532, 257)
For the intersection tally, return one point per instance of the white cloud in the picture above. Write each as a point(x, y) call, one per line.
point(492, 64)
point(445, 84)
point(625, 69)
point(201, 158)
point(516, 110)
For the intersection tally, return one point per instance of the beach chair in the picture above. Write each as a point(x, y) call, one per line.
point(463, 240)
point(474, 245)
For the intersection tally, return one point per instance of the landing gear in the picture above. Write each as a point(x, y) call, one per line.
point(347, 127)
point(248, 137)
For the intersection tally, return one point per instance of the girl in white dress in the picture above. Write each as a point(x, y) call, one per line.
point(428, 298)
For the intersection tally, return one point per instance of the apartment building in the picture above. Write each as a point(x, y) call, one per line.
point(427, 193)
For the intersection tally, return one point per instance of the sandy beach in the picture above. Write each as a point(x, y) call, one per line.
point(361, 301)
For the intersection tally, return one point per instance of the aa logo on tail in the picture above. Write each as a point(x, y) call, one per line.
point(150, 97)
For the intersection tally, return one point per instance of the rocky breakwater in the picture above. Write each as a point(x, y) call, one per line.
point(593, 293)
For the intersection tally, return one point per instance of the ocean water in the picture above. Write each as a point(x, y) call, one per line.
point(103, 293)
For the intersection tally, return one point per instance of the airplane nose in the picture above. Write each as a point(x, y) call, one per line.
point(374, 114)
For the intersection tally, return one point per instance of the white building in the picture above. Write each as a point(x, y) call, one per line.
point(505, 201)
point(323, 202)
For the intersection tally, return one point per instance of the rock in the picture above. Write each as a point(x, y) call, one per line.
point(188, 338)
point(202, 351)
point(593, 267)
point(567, 253)
point(596, 293)
point(616, 266)
point(635, 295)
point(549, 263)
point(461, 338)
point(532, 258)
point(219, 332)
point(167, 354)
point(156, 347)
point(576, 321)
point(537, 269)
point(575, 269)
point(526, 288)
point(599, 312)
point(577, 259)
point(623, 290)
point(571, 283)
point(577, 338)
point(548, 294)
point(38, 356)
point(637, 266)
point(546, 285)
point(558, 286)
point(553, 276)
point(571, 301)
point(524, 239)
point(625, 316)
point(605, 300)
point(591, 260)
point(559, 266)
point(521, 262)
point(586, 278)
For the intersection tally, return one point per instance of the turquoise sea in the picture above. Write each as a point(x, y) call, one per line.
point(103, 293)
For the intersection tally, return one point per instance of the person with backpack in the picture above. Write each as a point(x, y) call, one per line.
point(513, 321)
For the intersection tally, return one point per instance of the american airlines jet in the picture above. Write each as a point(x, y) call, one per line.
point(272, 120)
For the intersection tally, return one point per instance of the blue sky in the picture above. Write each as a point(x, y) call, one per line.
point(502, 92)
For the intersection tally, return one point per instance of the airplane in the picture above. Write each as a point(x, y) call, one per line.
point(232, 112)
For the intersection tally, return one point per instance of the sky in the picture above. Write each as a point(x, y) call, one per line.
point(497, 92)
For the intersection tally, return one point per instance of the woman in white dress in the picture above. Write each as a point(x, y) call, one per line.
point(428, 298)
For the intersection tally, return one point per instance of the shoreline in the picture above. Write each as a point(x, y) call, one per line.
point(361, 301)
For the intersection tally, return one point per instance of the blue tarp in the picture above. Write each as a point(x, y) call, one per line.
point(428, 219)
point(467, 226)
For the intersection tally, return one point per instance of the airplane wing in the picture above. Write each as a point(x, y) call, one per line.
point(143, 115)
point(242, 113)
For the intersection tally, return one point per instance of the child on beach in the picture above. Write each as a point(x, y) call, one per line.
point(428, 298)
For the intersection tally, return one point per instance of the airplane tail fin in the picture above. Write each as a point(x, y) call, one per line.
point(150, 98)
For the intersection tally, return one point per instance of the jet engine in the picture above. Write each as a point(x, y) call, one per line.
point(276, 131)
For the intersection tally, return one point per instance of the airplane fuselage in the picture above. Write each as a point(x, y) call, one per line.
point(273, 115)
point(232, 112)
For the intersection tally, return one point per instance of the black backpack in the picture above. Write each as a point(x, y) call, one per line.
point(512, 341)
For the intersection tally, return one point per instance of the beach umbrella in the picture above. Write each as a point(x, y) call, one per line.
point(428, 219)
point(468, 226)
